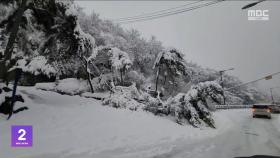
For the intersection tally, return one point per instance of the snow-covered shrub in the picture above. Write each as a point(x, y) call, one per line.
point(182, 109)
point(72, 86)
point(154, 105)
point(124, 97)
point(192, 106)
point(135, 77)
point(102, 82)
point(119, 59)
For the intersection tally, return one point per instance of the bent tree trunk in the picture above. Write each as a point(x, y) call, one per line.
point(85, 63)
point(89, 79)
point(90, 84)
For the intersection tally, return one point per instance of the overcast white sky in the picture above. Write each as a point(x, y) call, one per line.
point(218, 36)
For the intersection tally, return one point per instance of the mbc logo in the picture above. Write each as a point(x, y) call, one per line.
point(258, 15)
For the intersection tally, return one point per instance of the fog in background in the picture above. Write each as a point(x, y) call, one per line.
point(217, 36)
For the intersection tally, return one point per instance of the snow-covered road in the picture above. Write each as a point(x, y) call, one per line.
point(76, 127)
point(247, 137)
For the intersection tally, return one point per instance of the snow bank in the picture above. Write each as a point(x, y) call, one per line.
point(96, 95)
point(69, 86)
point(46, 86)
point(73, 126)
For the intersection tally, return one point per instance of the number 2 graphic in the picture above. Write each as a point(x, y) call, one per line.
point(23, 133)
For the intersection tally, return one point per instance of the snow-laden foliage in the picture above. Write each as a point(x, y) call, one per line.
point(192, 106)
point(120, 59)
point(50, 29)
point(38, 65)
point(102, 82)
point(172, 57)
point(124, 97)
point(172, 71)
point(186, 108)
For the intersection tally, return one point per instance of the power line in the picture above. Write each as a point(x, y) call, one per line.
point(170, 13)
point(263, 78)
point(155, 13)
point(252, 4)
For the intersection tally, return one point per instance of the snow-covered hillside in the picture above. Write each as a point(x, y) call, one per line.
point(73, 126)
point(58, 40)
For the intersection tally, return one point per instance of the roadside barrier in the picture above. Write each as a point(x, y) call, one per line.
point(233, 106)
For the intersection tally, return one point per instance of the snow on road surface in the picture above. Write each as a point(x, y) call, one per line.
point(248, 136)
point(75, 127)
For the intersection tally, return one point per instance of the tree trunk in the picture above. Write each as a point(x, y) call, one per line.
point(121, 77)
point(89, 81)
point(85, 63)
point(157, 77)
point(18, 75)
point(88, 77)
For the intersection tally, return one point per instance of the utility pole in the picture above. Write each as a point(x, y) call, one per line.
point(271, 95)
point(221, 72)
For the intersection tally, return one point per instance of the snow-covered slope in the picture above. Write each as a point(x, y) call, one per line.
point(73, 126)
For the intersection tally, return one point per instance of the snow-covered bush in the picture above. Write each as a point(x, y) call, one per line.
point(124, 97)
point(120, 61)
point(186, 108)
point(72, 86)
point(135, 77)
point(102, 82)
point(192, 106)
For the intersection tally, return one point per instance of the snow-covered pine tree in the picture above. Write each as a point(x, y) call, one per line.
point(171, 70)
point(191, 107)
point(50, 35)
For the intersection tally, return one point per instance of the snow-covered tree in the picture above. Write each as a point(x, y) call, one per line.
point(50, 29)
point(120, 61)
point(171, 66)
point(192, 106)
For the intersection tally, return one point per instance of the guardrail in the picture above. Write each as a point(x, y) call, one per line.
point(233, 106)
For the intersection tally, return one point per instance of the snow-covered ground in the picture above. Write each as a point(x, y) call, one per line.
point(76, 127)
